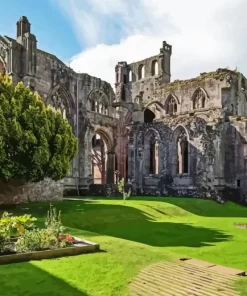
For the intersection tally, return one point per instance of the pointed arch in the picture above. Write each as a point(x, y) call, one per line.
point(141, 72)
point(98, 101)
point(130, 76)
point(152, 142)
point(199, 98)
point(61, 100)
point(155, 68)
point(154, 102)
point(180, 151)
point(106, 137)
point(171, 104)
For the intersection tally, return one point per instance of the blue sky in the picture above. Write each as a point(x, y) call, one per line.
point(50, 24)
point(94, 35)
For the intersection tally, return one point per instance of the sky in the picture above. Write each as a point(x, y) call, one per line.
point(94, 35)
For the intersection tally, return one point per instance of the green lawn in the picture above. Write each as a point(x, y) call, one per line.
point(132, 234)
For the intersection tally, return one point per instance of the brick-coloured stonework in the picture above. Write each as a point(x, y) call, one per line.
point(181, 138)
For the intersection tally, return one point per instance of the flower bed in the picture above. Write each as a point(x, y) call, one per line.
point(21, 240)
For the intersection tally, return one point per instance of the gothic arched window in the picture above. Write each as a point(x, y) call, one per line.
point(171, 106)
point(198, 99)
point(141, 72)
point(155, 68)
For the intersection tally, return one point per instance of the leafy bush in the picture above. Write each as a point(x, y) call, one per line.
point(15, 225)
point(49, 239)
point(41, 239)
point(35, 141)
point(31, 240)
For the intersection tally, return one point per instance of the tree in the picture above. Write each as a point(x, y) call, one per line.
point(35, 141)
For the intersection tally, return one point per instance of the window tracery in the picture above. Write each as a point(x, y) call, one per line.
point(198, 99)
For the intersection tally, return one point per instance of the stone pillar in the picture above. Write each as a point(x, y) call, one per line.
point(110, 167)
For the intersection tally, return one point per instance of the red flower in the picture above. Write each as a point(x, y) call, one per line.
point(68, 238)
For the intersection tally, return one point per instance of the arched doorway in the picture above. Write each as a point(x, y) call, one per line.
point(99, 157)
point(102, 158)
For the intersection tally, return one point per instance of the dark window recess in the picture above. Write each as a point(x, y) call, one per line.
point(125, 79)
point(123, 93)
point(149, 116)
point(238, 183)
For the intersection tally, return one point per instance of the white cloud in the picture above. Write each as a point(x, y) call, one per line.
point(205, 35)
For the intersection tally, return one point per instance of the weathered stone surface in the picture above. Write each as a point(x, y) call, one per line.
point(181, 138)
point(15, 192)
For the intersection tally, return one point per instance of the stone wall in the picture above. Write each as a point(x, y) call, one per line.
point(15, 192)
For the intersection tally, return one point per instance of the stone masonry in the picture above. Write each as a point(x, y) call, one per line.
point(180, 138)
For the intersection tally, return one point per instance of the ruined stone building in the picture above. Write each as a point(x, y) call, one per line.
point(165, 138)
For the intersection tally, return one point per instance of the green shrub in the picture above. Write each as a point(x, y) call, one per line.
point(49, 239)
point(30, 240)
point(35, 141)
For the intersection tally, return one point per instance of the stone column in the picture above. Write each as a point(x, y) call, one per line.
point(110, 167)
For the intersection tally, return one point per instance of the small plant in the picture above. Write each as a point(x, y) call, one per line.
point(31, 240)
point(66, 240)
point(13, 226)
point(49, 240)
point(53, 221)
point(121, 189)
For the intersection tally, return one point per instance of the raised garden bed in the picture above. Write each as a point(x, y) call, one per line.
point(21, 240)
point(79, 247)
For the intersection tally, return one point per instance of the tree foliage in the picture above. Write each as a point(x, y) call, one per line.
point(35, 141)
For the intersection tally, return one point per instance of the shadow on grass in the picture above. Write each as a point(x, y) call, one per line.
point(130, 223)
point(29, 280)
point(197, 206)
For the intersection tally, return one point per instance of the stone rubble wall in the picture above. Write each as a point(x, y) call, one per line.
point(15, 192)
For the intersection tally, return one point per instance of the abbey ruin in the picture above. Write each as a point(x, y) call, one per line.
point(180, 138)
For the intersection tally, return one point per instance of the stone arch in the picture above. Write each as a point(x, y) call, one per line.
point(154, 102)
point(106, 136)
point(152, 142)
point(141, 71)
point(154, 68)
point(61, 100)
point(130, 76)
point(103, 157)
point(199, 98)
point(180, 150)
point(99, 101)
point(171, 104)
